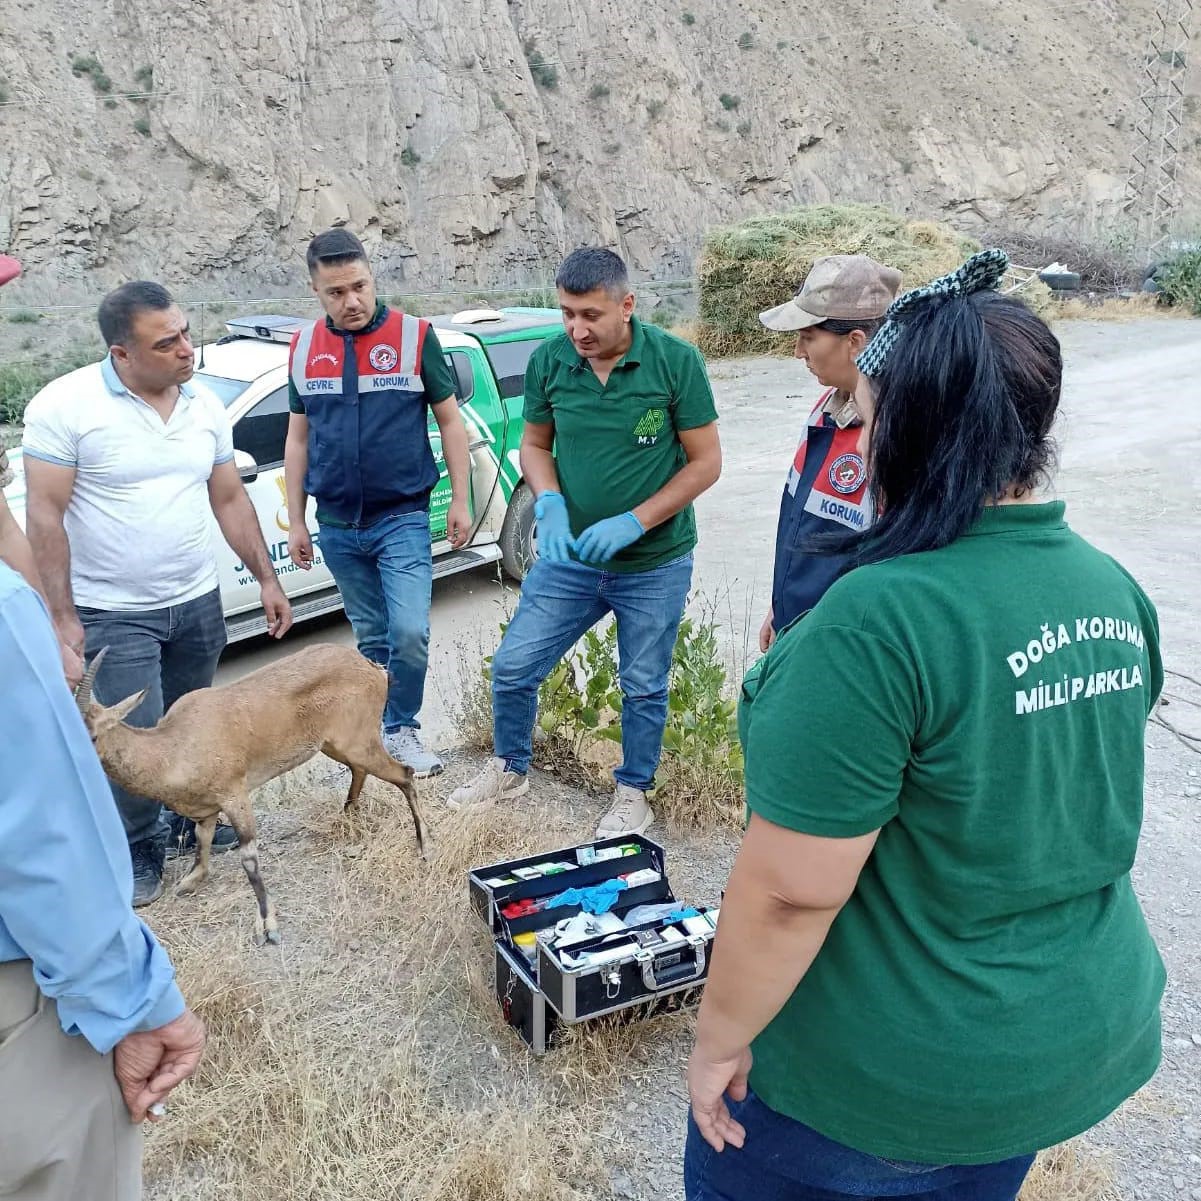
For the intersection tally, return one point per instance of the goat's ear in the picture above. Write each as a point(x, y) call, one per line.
point(122, 709)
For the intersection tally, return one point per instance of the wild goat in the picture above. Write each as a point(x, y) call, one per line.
point(215, 745)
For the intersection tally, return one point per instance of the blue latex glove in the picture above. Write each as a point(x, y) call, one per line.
point(554, 530)
point(601, 541)
point(597, 899)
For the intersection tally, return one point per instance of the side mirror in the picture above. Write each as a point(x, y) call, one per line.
point(248, 469)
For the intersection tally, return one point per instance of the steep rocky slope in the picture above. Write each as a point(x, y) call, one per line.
point(473, 140)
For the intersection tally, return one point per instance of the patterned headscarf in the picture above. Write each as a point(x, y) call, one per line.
point(981, 273)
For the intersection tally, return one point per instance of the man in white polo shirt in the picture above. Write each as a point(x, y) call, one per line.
point(124, 460)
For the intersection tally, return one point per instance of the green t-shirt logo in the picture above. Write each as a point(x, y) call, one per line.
point(649, 424)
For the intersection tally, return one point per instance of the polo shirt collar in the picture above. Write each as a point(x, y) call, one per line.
point(113, 382)
point(381, 314)
point(632, 357)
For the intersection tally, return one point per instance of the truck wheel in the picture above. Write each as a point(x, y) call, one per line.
point(517, 545)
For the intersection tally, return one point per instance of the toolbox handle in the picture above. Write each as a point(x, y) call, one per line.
point(676, 974)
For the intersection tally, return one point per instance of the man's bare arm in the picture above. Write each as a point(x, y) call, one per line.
point(48, 489)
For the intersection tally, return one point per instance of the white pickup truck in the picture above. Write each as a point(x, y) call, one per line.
point(247, 369)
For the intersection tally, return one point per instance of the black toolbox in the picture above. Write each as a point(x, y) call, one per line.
point(634, 970)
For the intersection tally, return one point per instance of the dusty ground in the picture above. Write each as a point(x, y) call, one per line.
point(382, 962)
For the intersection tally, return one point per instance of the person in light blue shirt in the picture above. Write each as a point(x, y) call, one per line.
point(92, 1023)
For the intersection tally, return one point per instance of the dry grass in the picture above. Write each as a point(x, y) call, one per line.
point(366, 1058)
point(1070, 1172)
point(349, 1064)
point(1115, 308)
point(696, 797)
point(761, 262)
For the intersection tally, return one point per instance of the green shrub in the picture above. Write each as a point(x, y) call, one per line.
point(23, 317)
point(20, 380)
point(687, 18)
point(598, 91)
point(545, 74)
point(654, 108)
point(142, 126)
point(746, 40)
point(728, 102)
point(1179, 279)
point(409, 157)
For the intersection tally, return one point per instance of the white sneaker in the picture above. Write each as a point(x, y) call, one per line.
point(629, 813)
point(494, 783)
point(403, 744)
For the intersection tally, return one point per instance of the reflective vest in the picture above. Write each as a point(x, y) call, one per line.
point(369, 447)
point(826, 491)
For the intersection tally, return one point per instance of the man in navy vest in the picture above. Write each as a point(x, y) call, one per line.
point(834, 315)
point(361, 383)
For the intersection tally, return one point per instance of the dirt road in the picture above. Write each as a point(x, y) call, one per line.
point(1130, 438)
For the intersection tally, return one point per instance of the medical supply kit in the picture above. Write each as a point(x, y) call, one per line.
point(590, 930)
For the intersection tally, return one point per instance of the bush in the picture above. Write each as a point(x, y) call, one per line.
point(744, 129)
point(409, 157)
point(579, 705)
point(746, 268)
point(144, 78)
point(687, 18)
point(545, 74)
point(1179, 279)
point(1106, 261)
point(20, 381)
point(89, 64)
point(654, 109)
point(142, 126)
point(728, 102)
point(598, 91)
point(746, 40)
point(23, 317)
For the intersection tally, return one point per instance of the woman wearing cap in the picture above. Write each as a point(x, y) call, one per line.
point(834, 314)
point(931, 962)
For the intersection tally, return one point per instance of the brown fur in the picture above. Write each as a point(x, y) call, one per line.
point(216, 745)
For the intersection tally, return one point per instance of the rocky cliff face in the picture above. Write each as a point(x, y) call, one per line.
point(472, 141)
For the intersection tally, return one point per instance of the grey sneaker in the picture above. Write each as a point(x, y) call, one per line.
point(493, 784)
point(147, 860)
point(403, 744)
point(629, 813)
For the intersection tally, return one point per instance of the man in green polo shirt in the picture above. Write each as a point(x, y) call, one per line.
point(620, 438)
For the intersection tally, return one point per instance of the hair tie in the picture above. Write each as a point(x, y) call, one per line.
point(981, 273)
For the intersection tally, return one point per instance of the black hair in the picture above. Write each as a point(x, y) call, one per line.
point(333, 248)
point(841, 326)
point(963, 411)
point(119, 308)
point(593, 267)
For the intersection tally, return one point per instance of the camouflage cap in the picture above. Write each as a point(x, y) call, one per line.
point(839, 287)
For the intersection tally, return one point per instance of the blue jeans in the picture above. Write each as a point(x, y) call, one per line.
point(783, 1160)
point(385, 572)
point(166, 651)
point(559, 602)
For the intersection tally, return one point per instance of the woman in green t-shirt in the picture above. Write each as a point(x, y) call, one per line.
point(931, 962)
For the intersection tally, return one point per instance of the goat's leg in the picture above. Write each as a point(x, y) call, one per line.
point(241, 817)
point(200, 866)
point(357, 778)
point(379, 763)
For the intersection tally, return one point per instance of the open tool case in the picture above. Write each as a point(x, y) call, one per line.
point(550, 972)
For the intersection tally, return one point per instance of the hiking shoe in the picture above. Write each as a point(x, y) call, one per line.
point(629, 813)
point(404, 745)
point(494, 783)
point(182, 840)
point(147, 860)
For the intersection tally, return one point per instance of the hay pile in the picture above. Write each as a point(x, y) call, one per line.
point(760, 263)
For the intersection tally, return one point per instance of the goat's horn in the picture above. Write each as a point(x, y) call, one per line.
point(83, 690)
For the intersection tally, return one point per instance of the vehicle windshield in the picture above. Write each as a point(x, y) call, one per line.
point(225, 390)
